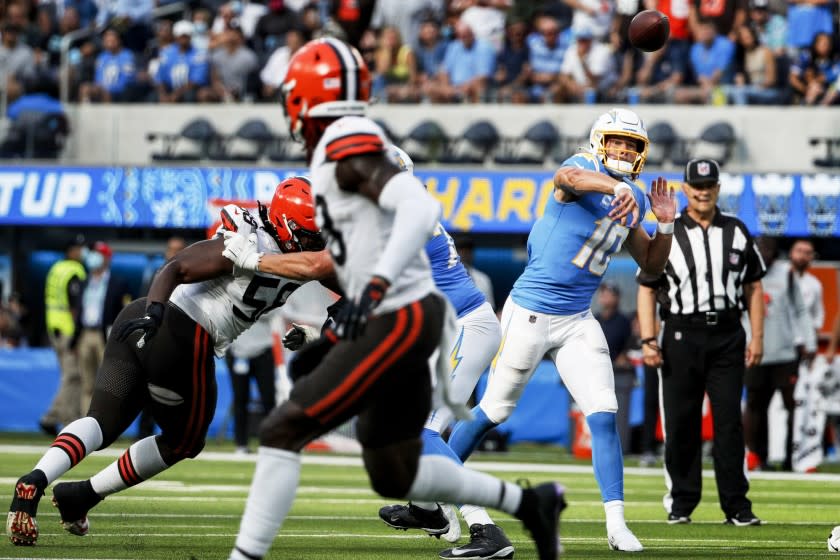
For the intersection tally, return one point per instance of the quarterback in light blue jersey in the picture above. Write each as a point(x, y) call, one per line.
point(479, 335)
point(595, 209)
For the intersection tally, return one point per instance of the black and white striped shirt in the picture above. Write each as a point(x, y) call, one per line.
point(707, 268)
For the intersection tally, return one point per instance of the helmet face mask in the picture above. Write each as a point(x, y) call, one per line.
point(290, 218)
point(621, 124)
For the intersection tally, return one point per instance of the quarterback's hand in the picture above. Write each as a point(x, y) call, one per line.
point(624, 204)
point(352, 320)
point(663, 201)
point(242, 251)
point(299, 335)
point(148, 324)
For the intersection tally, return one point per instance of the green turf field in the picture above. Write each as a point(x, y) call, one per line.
point(192, 512)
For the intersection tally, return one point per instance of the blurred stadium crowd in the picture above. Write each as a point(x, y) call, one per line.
point(439, 51)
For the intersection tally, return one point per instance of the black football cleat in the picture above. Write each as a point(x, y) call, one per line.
point(74, 500)
point(486, 542)
point(21, 525)
point(539, 512)
point(408, 517)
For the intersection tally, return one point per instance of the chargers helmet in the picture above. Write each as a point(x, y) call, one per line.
point(621, 123)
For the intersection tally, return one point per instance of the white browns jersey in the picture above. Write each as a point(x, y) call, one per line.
point(356, 228)
point(228, 305)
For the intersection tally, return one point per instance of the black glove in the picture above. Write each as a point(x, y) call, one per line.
point(298, 335)
point(351, 321)
point(148, 324)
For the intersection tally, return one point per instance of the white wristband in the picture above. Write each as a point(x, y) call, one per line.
point(666, 228)
point(621, 186)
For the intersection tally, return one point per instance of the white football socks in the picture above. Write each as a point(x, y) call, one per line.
point(273, 490)
point(441, 479)
point(475, 514)
point(615, 515)
point(140, 461)
point(77, 440)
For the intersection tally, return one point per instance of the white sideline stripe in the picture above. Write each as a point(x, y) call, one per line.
point(345, 461)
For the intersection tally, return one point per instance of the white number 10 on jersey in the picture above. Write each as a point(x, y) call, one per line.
point(601, 245)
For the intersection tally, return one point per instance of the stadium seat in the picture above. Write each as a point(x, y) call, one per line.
point(716, 141)
point(248, 143)
point(202, 138)
point(387, 130)
point(35, 135)
point(663, 139)
point(425, 142)
point(832, 151)
point(284, 149)
point(531, 148)
point(473, 145)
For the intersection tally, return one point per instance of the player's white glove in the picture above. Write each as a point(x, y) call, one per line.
point(299, 335)
point(242, 250)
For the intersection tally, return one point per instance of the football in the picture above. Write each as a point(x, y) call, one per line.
point(649, 30)
point(834, 540)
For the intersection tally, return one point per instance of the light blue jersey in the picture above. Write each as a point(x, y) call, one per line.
point(449, 274)
point(569, 248)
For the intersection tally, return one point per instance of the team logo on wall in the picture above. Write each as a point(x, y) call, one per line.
point(822, 195)
point(772, 202)
point(731, 189)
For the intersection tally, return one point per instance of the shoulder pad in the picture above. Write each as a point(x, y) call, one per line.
point(352, 136)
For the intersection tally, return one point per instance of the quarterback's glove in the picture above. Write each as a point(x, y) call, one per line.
point(242, 250)
point(351, 321)
point(299, 335)
point(148, 324)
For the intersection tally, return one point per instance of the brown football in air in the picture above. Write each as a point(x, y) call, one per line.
point(649, 30)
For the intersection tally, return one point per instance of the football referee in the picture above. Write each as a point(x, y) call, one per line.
point(713, 274)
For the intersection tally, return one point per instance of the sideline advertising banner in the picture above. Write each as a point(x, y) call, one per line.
point(478, 200)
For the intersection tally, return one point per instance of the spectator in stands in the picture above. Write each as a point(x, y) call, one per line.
point(396, 78)
point(201, 19)
point(679, 42)
point(47, 38)
point(368, 46)
point(245, 12)
point(594, 15)
point(755, 71)
point(115, 72)
point(528, 10)
point(310, 19)
point(513, 68)
point(466, 70)
point(627, 60)
point(225, 19)
point(183, 74)
point(661, 73)
point(87, 9)
point(815, 70)
point(353, 18)
point(808, 18)
point(771, 27)
point(103, 297)
point(712, 58)
point(725, 15)
point(271, 28)
point(429, 50)
point(17, 14)
point(587, 71)
point(546, 50)
point(233, 66)
point(131, 18)
point(17, 60)
point(274, 71)
point(485, 17)
point(406, 15)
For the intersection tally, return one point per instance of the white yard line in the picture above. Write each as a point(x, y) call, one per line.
point(345, 461)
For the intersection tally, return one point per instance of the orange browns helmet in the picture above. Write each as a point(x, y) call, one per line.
point(292, 215)
point(326, 78)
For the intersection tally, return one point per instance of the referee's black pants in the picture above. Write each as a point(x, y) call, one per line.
point(698, 360)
